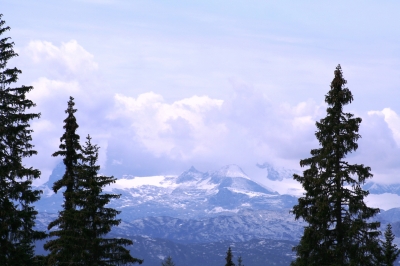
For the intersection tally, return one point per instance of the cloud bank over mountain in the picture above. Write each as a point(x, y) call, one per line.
point(145, 134)
point(163, 86)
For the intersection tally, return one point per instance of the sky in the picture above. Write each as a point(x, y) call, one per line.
point(162, 86)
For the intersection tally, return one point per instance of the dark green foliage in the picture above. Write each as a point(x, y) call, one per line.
point(84, 219)
point(240, 261)
point(96, 218)
point(390, 250)
point(168, 262)
point(229, 258)
point(17, 215)
point(65, 248)
point(338, 231)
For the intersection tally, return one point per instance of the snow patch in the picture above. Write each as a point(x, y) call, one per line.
point(251, 194)
point(232, 170)
point(157, 181)
point(220, 209)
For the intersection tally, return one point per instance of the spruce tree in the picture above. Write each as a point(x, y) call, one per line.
point(96, 218)
point(17, 215)
point(229, 258)
point(240, 261)
point(390, 250)
point(84, 220)
point(167, 262)
point(65, 248)
point(339, 230)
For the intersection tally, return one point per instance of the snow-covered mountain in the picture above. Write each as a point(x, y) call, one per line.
point(185, 215)
point(277, 174)
point(192, 211)
point(376, 188)
point(193, 194)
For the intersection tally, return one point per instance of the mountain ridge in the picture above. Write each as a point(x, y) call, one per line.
point(201, 210)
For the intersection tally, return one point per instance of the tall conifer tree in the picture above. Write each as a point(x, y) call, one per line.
point(84, 219)
point(65, 248)
point(17, 215)
point(390, 250)
point(96, 218)
point(229, 258)
point(339, 230)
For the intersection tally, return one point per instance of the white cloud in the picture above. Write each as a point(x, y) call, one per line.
point(66, 71)
point(69, 57)
point(377, 147)
point(392, 120)
point(383, 201)
point(246, 128)
point(46, 89)
point(180, 129)
point(46, 138)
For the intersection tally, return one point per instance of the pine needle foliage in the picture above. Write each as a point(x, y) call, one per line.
point(84, 219)
point(229, 258)
point(339, 231)
point(96, 218)
point(390, 250)
point(65, 248)
point(17, 215)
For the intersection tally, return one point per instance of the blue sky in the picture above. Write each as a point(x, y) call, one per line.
point(163, 85)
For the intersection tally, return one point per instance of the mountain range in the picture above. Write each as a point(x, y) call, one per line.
point(197, 215)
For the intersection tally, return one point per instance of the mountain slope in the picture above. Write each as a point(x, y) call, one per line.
point(375, 188)
point(195, 216)
point(192, 194)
